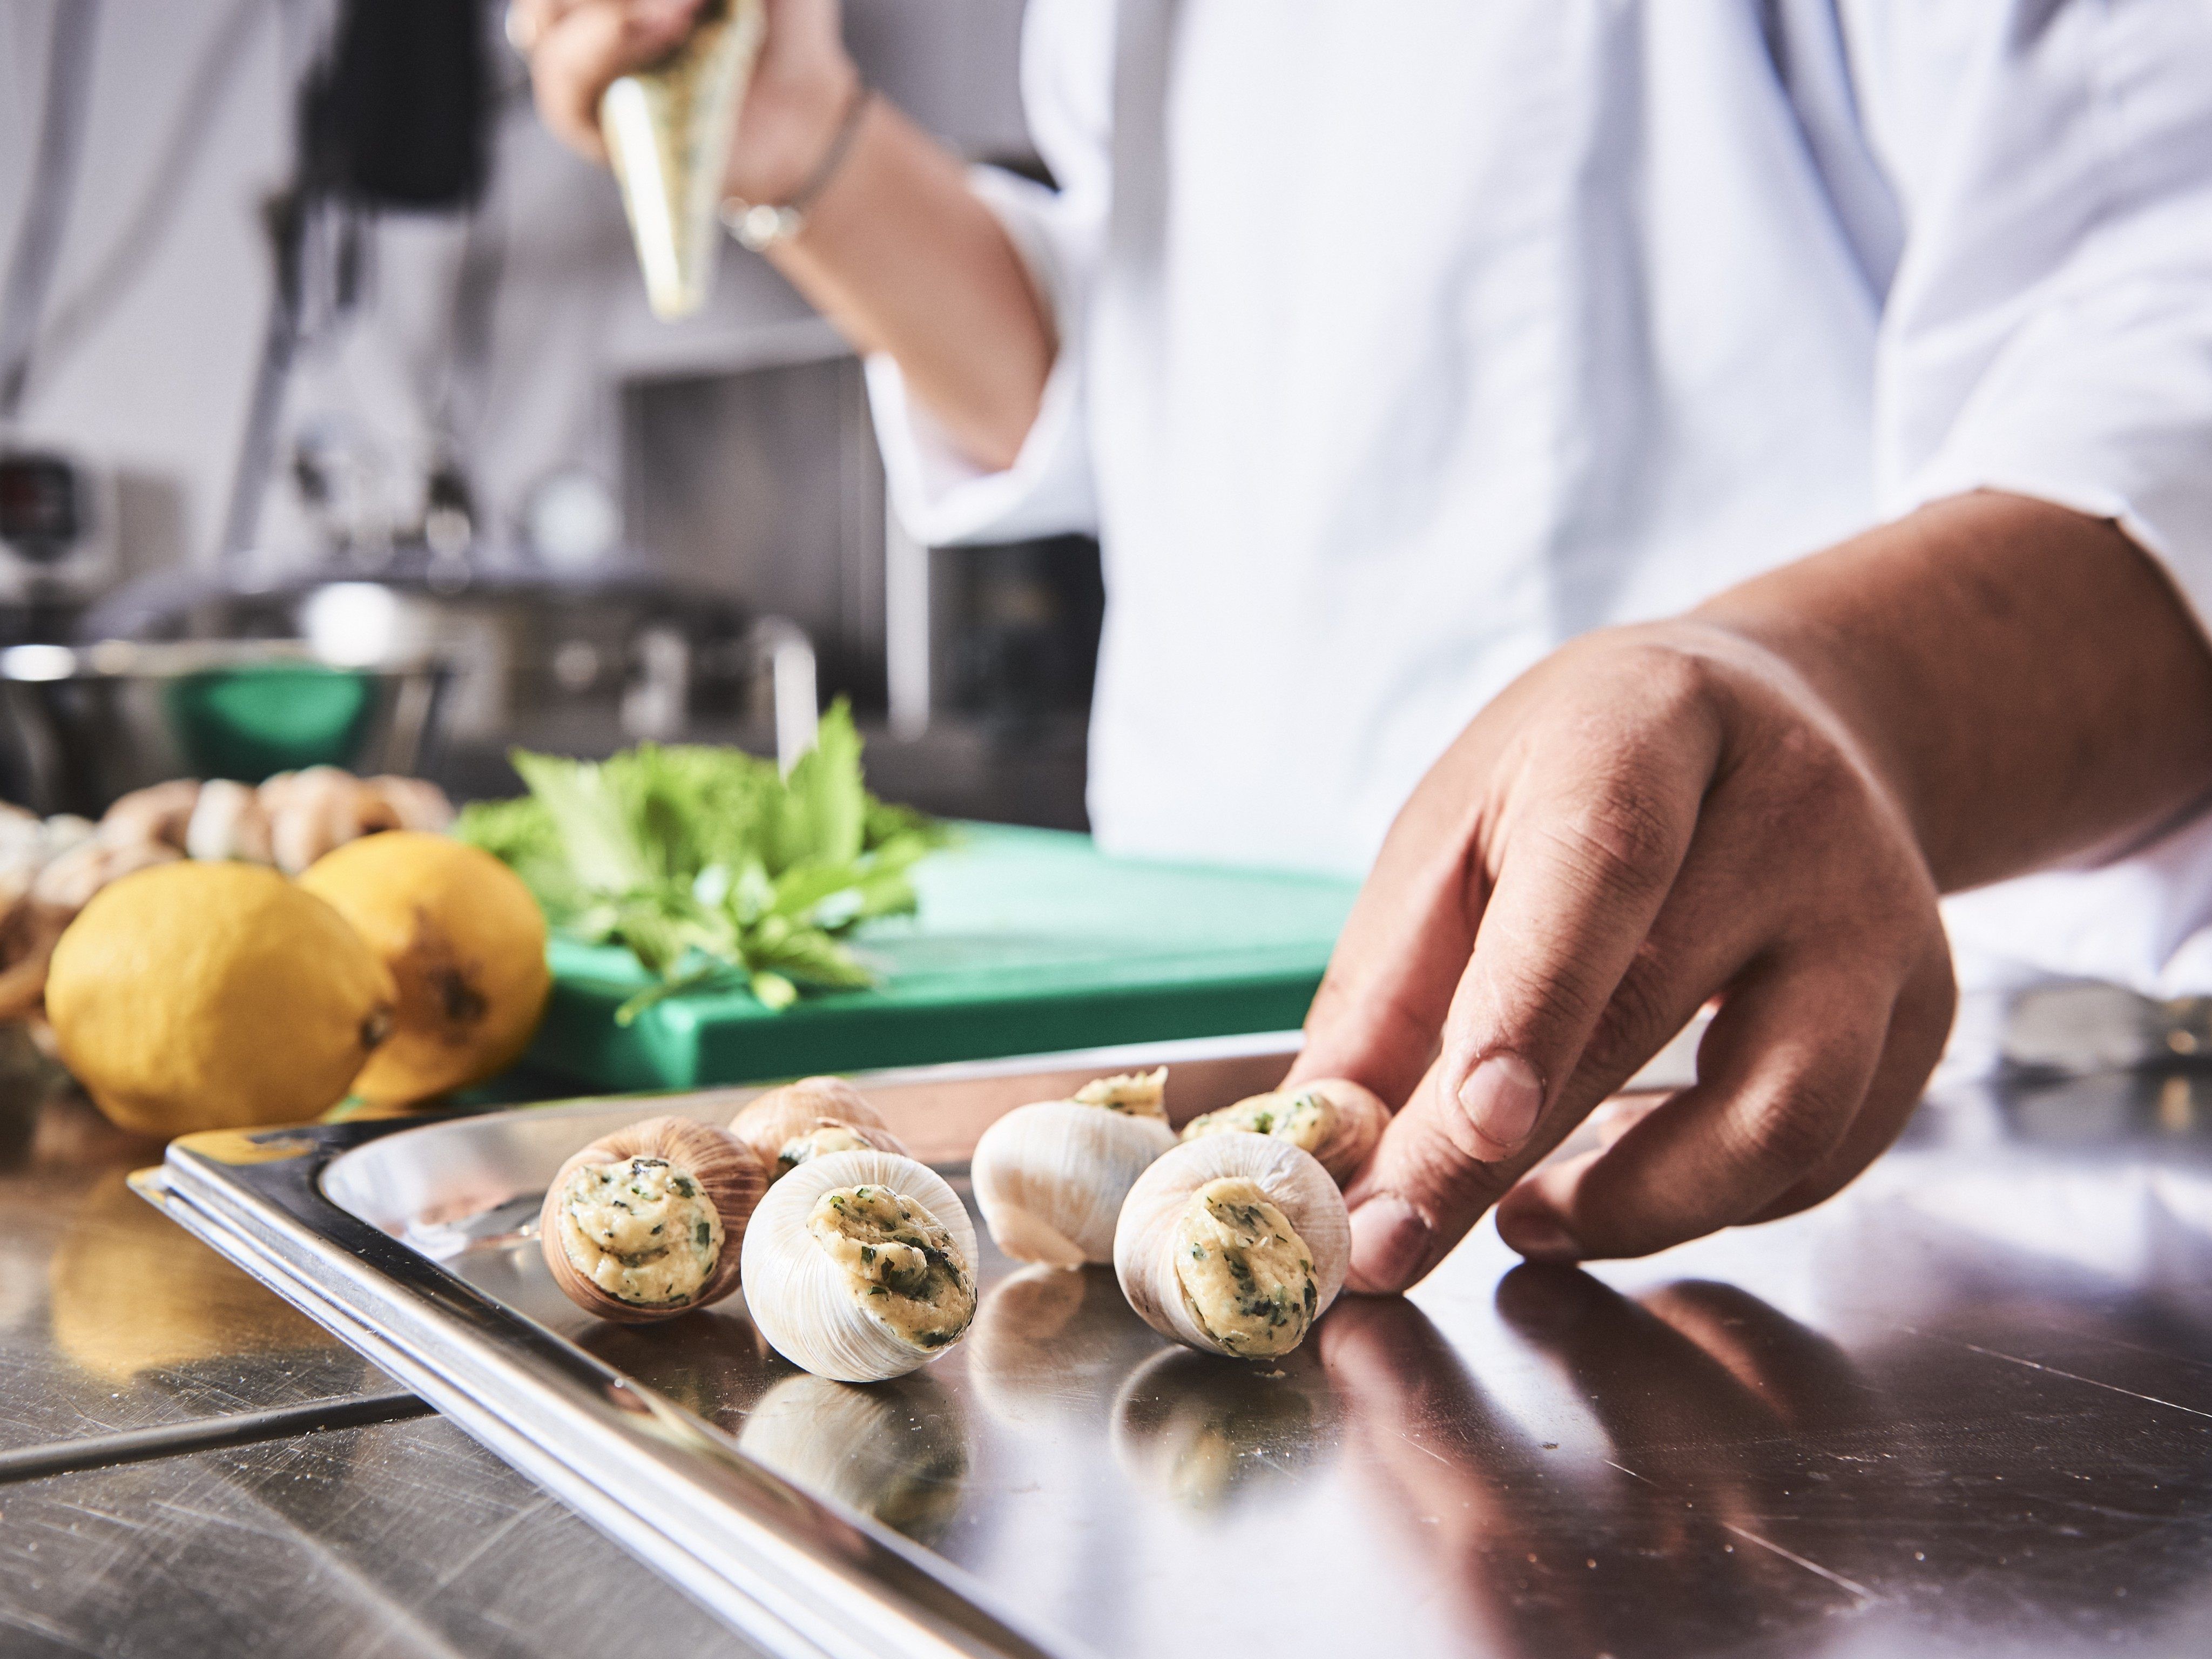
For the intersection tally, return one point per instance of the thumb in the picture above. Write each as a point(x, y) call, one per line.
point(1430, 1180)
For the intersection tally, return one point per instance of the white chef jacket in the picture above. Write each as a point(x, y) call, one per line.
point(1402, 340)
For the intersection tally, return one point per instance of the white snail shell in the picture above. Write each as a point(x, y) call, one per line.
point(801, 1300)
point(1341, 1135)
point(729, 1177)
point(771, 1123)
point(1050, 1178)
point(1147, 1244)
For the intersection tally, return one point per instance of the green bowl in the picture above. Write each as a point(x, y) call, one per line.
point(252, 721)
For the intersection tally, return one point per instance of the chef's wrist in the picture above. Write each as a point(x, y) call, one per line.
point(791, 122)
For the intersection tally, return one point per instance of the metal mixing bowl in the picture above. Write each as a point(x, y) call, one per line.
point(89, 723)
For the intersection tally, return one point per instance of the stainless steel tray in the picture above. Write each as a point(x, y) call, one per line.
point(1757, 1443)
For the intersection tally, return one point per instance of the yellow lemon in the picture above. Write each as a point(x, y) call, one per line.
point(465, 943)
point(214, 996)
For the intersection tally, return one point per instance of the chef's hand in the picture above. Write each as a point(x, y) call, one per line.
point(1755, 804)
point(901, 255)
point(1651, 818)
point(577, 48)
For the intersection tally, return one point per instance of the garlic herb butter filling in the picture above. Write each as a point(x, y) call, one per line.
point(820, 1141)
point(1135, 1094)
point(1247, 1277)
point(642, 1230)
point(900, 1265)
point(1305, 1119)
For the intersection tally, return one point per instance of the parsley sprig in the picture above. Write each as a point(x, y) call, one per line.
point(710, 865)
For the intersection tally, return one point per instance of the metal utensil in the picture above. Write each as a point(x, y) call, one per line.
point(94, 722)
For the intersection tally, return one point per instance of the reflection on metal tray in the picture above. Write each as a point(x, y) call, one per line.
point(1965, 1405)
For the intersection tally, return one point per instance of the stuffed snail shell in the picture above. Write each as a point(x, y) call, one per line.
point(1050, 1178)
point(805, 1120)
point(860, 1265)
point(1334, 1119)
point(644, 1224)
point(1132, 1094)
point(1234, 1244)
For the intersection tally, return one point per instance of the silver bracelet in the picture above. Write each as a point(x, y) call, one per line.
point(761, 225)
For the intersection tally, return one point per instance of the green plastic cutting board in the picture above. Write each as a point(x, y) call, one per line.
point(1027, 941)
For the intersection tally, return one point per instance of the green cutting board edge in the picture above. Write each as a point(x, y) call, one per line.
point(1026, 941)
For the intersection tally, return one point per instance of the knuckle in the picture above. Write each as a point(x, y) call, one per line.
point(1622, 837)
point(1674, 683)
point(1542, 1004)
point(1792, 1131)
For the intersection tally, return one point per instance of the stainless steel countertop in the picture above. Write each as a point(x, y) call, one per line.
point(112, 1319)
point(399, 1540)
point(1966, 1409)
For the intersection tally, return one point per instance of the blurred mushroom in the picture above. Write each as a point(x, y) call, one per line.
point(159, 813)
point(229, 821)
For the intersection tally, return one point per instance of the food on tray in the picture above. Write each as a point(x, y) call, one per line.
point(465, 944)
point(809, 1119)
point(1132, 1094)
point(712, 868)
point(860, 1265)
point(1335, 1120)
point(897, 1452)
point(1050, 1178)
point(49, 869)
point(1233, 1243)
point(644, 1224)
point(200, 996)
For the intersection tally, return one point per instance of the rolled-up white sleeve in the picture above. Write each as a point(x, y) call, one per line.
point(942, 496)
point(2049, 332)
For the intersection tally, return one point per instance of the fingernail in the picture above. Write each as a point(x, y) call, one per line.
point(1538, 1237)
point(1501, 1099)
point(1389, 1241)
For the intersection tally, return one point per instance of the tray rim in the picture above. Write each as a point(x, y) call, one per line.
point(797, 1573)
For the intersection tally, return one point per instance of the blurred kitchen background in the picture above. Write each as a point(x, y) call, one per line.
point(318, 354)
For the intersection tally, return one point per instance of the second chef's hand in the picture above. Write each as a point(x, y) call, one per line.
point(1758, 803)
point(897, 251)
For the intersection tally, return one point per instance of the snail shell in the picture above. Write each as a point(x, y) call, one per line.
point(796, 1110)
point(813, 1309)
point(1050, 1178)
point(729, 1181)
point(1335, 1119)
point(1139, 1094)
point(1176, 1208)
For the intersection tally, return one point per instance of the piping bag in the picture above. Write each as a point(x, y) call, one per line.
point(667, 129)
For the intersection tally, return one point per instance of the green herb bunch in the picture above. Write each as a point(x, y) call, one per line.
point(709, 864)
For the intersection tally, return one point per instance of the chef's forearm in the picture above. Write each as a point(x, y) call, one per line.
point(2026, 677)
point(906, 259)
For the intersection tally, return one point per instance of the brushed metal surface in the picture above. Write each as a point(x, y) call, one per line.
point(1965, 1408)
point(406, 1540)
point(111, 1320)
